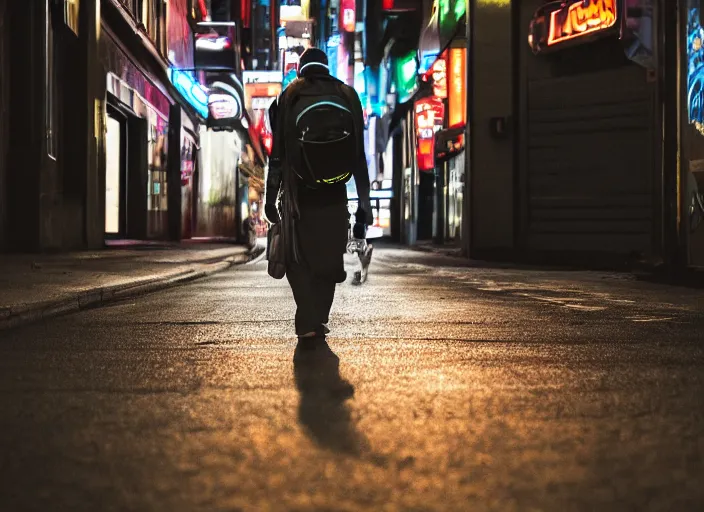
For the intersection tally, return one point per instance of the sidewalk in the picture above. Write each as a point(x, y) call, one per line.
point(33, 287)
point(445, 250)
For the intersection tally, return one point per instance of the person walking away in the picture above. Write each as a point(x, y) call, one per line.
point(318, 146)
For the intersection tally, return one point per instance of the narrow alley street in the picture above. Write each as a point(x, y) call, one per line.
point(456, 388)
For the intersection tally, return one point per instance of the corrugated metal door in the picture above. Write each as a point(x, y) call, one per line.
point(588, 152)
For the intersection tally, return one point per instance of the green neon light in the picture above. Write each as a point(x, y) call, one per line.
point(405, 74)
point(460, 9)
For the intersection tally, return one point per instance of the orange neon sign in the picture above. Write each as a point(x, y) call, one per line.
point(457, 104)
point(581, 18)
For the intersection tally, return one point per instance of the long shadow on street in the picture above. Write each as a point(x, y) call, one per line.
point(323, 410)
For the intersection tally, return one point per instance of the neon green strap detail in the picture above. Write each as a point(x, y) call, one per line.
point(336, 179)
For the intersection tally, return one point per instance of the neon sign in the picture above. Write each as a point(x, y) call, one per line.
point(405, 74)
point(581, 18)
point(213, 43)
point(429, 116)
point(348, 19)
point(225, 106)
point(559, 23)
point(457, 104)
point(191, 90)
point(695, 75)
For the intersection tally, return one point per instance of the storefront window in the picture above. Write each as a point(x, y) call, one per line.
point(157, 200)
point(455, 196)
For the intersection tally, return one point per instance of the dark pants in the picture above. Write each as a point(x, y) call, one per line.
point(322, 236)
point(313, 296)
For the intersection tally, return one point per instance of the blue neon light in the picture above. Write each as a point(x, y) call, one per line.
point(695, 57)
point(194, 93)
point(289, 77)
point(426, 61)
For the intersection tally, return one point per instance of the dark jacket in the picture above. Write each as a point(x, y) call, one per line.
point(276, 174)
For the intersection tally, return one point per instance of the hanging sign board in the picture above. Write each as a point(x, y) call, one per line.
point(439, 75)
point(348, 17)
point(560, 24)
point(457, 104)
point(429, 117)
point(449, 144)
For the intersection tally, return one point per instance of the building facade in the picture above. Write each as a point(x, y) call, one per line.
point(567, 157)
point(4, 116)
point(100, 123)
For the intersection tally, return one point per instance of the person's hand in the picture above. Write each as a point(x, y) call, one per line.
point(359, 231)
point(364, 213)
point(271, 213)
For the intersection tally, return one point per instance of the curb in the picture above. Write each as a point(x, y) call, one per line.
point(96, 297)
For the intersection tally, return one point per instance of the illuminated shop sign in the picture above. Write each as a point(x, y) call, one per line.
point(224, 105)
point(261, 89)
point(405, 76)
point(429, 42)
point(289, 77)
point(439, 76)
point(348, 19)
point(215, 49)
point(212, 43)
point(191, 90)
point(255, 94)
point(559, 23)
point(429, 115)
point(457, 102)
point(253, 77)
point(449, 144)
point(451, 14)
point(294, 10)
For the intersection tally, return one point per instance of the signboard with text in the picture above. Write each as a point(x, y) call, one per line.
point(429, 118)
point(560, 24)
point(457, 103)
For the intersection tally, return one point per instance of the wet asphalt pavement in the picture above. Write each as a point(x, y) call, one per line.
point(442, 388)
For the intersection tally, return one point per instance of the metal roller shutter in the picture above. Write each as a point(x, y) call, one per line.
point(590, 162)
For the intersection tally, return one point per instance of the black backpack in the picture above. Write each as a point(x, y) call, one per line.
point(322, 136)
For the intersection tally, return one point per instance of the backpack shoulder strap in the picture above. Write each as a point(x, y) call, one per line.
point(351, 96)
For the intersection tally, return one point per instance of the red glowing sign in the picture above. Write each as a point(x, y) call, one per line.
point(561, 22)
point(429, 116)
point(439, 74)
point(348, 20)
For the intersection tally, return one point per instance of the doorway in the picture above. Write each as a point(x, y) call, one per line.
point(115, 171)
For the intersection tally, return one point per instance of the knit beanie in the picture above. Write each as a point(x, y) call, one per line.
point(313, 58)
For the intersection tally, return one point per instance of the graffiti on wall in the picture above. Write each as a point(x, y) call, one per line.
point(695, 68)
